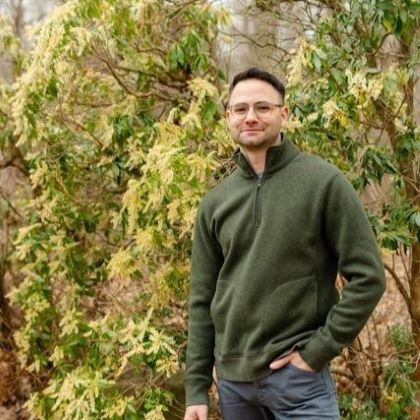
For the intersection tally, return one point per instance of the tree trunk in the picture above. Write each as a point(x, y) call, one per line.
point(415, 302)
point(5, 329)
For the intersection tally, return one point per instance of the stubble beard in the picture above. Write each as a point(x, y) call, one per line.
point(262, 143)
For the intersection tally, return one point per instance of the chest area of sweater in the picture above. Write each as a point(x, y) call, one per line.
point(280, 211)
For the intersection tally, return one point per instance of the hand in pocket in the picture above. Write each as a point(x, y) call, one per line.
point(293, 358)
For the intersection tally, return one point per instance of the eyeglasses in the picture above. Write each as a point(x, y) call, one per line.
point(261, 109)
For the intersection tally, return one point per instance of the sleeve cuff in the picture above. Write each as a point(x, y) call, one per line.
point(316, 354)
point(196, 395)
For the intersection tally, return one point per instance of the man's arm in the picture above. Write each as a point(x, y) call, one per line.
point(350, 237)
point(207, 259)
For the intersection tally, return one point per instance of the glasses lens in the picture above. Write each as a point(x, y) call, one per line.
point(263, 108)
point(240, 109)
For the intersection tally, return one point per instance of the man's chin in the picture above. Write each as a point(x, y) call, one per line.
point(251, 142)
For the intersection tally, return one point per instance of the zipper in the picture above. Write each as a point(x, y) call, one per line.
point(257, 207)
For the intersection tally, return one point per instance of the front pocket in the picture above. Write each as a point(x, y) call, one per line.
point(291, 309)
point(303, 371)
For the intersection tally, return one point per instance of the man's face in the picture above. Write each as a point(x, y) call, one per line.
point(252, 131)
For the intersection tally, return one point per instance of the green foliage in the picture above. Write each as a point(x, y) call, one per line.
point(398, 394)
point(104, 349)
point(400, 390)
point(116, 116)
point(352, 408)
point(346, 92)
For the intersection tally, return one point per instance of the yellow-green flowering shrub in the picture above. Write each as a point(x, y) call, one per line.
point(118, 118)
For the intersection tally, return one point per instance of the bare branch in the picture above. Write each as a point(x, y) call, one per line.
point(400, 253)
point(401, 288)
point(9, 203)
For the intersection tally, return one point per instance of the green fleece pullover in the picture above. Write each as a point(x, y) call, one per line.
point(264, 263)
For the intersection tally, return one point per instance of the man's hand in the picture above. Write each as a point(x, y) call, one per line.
point(196, 412)
point(294, 358)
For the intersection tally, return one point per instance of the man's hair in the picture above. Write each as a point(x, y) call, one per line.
point(256, 73)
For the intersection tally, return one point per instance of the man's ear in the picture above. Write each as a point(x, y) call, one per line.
point(228, 116)
point(284, 112)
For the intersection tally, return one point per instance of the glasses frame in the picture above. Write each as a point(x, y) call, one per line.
point(229, 108)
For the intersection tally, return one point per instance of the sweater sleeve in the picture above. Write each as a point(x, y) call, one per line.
point(350, 237)
point(207, 259)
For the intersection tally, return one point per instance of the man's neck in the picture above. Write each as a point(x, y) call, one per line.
point(256, 156)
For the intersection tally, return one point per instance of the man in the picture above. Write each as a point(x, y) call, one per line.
point(268, 243)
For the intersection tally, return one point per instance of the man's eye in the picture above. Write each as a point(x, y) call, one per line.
point(240, 109)
point(263, 108)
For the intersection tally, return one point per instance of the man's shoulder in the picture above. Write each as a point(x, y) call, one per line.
point(316, 166)
point(217, 193)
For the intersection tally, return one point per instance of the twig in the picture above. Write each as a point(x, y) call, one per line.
point(401, 288)
point(5, 198)
point(400, 252)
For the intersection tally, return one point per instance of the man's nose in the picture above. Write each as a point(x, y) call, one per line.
point(251, 115)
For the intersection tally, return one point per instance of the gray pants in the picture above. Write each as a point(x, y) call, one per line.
point(287, 393)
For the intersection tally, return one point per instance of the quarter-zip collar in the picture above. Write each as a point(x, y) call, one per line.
point(276, 158)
